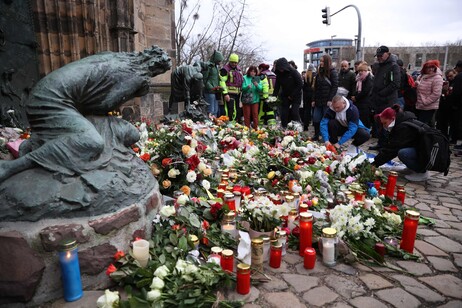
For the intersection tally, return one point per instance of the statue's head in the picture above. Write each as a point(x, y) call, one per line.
point(157, 60)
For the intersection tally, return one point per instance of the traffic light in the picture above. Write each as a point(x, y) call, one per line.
point(326, 16)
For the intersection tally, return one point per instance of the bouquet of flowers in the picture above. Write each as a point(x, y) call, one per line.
point(262, 214)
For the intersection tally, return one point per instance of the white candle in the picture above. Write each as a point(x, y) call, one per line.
point(229, 228)
point(291, 222)
point(237, 200)
point(328, 252)
point(141, 251)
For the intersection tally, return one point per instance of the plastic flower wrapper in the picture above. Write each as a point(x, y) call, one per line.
point(110, 299)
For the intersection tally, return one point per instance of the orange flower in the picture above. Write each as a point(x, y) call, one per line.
point(166, 184)
point(297, 167)
point(119, 254)
point(111, 269)
point(136, 149)
point(207, 171)
point(291, 184)
point(185, 149)
point(186, 190)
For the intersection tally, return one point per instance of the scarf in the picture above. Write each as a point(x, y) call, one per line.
point(359, 81)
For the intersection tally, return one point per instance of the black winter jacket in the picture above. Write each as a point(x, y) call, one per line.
point(387, 81)
point(289, 81)
point(363, 98)
point(324, 91)
point(401, 136)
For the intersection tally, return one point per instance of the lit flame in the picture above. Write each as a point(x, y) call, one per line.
point(68, 255)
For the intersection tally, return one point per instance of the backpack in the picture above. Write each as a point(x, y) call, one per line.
point(433, 147)
point(410, 91)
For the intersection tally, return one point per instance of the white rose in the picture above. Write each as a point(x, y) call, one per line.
point(161, 272)
point(153, 295)
point(180, 265)
point(167, 211)
point(191, 176)
point(182, 199)
point(108, 299)
point(193, 143)
point(206, 184)
point(157, 283)
point(201, 167)
point(172, 173)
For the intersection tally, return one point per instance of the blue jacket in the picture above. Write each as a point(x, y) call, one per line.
point(352, 118)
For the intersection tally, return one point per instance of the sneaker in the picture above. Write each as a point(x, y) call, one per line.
point(375, 147)
point(417, 177)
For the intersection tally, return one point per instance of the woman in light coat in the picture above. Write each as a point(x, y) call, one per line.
point(429, 88)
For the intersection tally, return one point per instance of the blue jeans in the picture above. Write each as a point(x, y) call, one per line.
point(211, 99)
point(318, 113)
point(409, 157)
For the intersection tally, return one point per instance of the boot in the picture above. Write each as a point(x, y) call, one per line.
point(317, 130)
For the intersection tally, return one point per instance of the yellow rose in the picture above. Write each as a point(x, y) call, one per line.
point(186, 190)
point(207, 171)
point(271, 175)
point(155, 169)
point(185, 149)
point(166, 184)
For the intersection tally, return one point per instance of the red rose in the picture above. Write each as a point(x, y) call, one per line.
point(201, 147)
point(145, 157)
point(296, 231)
point(119, 254)
point(215, 208)
point(111, 269)
point(186, 128)
point(193, 162)
point(311, 160)
point(328, 169)
point(286, 160)
point(166, 162)
point(205, 225)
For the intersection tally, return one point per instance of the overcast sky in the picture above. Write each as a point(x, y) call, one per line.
point(286, 26)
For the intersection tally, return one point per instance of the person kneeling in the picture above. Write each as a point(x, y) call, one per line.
point(402, 142)
point(342, 120)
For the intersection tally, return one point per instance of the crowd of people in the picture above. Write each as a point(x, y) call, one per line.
point(344, 104)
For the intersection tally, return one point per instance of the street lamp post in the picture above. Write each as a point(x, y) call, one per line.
point(331, 44)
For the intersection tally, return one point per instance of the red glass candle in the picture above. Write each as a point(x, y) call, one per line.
point(359, 195)
point(222, 186)
point(220, 193)
point(380, 249)
point(275, 256)
point(391, 184)
point(306, 231)
point(411, 221)
point(245, 190)
point(382, 190)
point(303, 208)
point(229, 201)
point(401, 195)
point(237, 188)
point(227, 260)
point(377, 184)
point(309, 258)
point(243, 279)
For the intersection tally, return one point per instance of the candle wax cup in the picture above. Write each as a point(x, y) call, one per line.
point(309, 258)
point(141, 252)
point(328, 252)
point(70, 275)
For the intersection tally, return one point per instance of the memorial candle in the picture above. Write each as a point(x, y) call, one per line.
point(229, 201)
point(306, 231)
point(411, 221)
point(291, 219)
point(243, 279)
point(227, 260)
point(276, 256)
point(141, 252)
point(377, 184)
point(70, 270)
point(391, 184)
point(309, 258)
point(329, 241)
point(401, 195)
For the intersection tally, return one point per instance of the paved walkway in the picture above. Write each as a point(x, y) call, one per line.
point(436, 282)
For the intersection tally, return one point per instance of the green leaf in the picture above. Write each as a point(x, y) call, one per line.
point(162, 259)
point(183, 244)
point(194, 220)
point(173, 239)
point(143, 282)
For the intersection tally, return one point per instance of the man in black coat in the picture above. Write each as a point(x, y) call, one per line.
point(387, 81)
point(346, 79)
point(289, 88)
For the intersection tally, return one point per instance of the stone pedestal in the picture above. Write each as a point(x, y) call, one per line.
point(29, 266)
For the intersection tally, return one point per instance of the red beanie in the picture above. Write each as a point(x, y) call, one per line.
point(263, 67)
point(387, 113)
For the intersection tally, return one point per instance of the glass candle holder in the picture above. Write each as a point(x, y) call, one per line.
point(380, 249)
point(243, 279)
point(401, 195)
point(276, 256)
point(382, 190)
point(221, 193)
point(303, 208)
point(411, 221)
point(227, 260)
point(377, 184)
point(70, 270)
point(216, 250)
point(257, 254)
point(266, 248)
point(245, 190)
point(282, 240)
point(296, 199)
point(306, 231)
point(228, 224)
point(195, 240)
point(141, 252)
point(391, 184)
point(229, 201)
point(309, 258)
point(329, 246)
point(237, 199)
point(290, 201)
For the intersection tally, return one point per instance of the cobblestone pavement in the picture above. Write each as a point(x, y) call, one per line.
point(435, 282)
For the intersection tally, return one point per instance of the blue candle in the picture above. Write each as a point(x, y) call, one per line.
point(70, 270)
